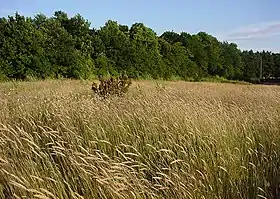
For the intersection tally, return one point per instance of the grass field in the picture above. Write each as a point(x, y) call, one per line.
point(162, 140)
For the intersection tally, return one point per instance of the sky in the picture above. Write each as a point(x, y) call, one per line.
point(252, 24)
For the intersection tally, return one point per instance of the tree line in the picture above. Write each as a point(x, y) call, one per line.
point(67, 47)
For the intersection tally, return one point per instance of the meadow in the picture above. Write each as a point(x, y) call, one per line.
point(161, 140)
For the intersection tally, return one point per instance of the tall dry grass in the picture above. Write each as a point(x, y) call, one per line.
point(163, 140)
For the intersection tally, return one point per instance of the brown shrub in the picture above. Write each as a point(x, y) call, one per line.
point(111, 86)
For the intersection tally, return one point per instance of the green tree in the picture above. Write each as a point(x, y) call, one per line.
point(170, 37)
point(176, 60)
point(198, 52)
point(79, 28)
point(251, 65)
point(212, 49)
point(62, 51)
point(276, 67)
point(268, 65)
point(145, 54)
point(21, 48)
point(232, 67)
point(117, 45)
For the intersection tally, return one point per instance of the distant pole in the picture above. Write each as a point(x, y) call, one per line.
point(261, 67)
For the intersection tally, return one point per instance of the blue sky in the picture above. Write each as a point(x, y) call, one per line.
point(252, 24)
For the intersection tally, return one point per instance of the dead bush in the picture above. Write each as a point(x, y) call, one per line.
point(111, 86)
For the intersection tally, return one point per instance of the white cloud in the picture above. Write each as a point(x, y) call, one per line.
point(256, 31)
point(261, 36)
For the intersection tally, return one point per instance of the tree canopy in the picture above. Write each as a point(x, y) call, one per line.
point(63, 46)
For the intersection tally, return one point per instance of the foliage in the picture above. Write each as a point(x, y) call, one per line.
point(112, 86)
point(68, 47)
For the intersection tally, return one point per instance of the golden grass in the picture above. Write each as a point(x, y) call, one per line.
point(162, 140)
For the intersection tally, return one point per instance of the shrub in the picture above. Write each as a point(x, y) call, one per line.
point(112, 86)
